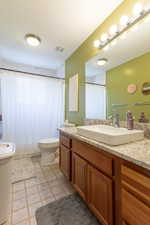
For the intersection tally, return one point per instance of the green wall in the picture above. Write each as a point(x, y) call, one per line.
point(136, 72)
point(76, 62)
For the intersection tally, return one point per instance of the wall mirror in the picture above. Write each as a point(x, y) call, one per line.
point(125, 61)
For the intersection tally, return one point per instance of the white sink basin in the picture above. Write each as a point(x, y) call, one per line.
point(110, 135)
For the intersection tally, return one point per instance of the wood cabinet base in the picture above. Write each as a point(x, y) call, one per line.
point(116, 191)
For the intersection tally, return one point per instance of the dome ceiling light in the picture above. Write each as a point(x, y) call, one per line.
point(32, 40)
point(102, 62)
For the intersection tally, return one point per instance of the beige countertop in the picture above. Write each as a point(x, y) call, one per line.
point(137, 152)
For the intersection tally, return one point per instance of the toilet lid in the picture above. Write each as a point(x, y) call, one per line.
point(49, 141)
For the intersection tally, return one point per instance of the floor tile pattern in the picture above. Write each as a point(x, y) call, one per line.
point(28, 195)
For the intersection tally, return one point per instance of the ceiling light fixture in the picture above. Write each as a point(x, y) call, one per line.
point(32, 39)
point(102, 62)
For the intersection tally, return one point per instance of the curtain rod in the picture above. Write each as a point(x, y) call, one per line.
point(103, 85)
point(34, 74)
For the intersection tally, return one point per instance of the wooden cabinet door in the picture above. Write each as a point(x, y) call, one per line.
point(79, 173)
point(100, 196)
point(65, 160)
point(134, 211)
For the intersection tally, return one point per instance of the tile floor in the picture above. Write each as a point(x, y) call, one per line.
point(26, 196)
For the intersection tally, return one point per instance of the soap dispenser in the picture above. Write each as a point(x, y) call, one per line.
point(130, 120)
point(143, 118)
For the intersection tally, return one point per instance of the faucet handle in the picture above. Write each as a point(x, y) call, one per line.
point(110, 117)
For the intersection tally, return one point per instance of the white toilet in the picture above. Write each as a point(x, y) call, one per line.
point(48, 148)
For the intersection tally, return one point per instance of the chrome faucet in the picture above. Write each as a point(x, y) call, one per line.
point(115, 119)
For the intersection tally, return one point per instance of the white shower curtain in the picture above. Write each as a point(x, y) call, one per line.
point(32, 109)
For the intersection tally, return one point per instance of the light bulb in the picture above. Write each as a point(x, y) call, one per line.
point(148, 6)
point(124, 20)
point(104, 37)
point(138, 8)
point(106, 48)
point(113, 29)
point(96, 43)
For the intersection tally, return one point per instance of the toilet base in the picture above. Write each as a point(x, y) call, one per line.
point(48, 158)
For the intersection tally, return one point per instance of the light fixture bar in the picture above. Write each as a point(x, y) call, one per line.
point(129, 25)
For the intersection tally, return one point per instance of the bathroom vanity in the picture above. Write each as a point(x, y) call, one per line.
point(113, 181)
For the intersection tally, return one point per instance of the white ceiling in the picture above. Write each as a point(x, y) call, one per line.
point(136, 43)
point(65, 23)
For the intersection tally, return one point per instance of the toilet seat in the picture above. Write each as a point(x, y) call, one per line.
point(49, 143)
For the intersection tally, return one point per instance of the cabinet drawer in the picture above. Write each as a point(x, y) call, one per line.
point(66, 141)
point(98, 159)
point(134, 211)
point(137, 182)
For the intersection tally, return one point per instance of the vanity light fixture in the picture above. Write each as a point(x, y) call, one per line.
point(104, 37)
point(114, 42)
point(124, 20)
point(32, 39)
point(138, 9)
point(147, 19)
point(148, 6)
point(106, 48)
point(141, 13)
point(102, 62)
point(96, 43)
point(123, 36)
point(113, 29)
point(134, 28)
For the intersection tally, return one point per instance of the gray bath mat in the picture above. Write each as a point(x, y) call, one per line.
point(70, 210)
